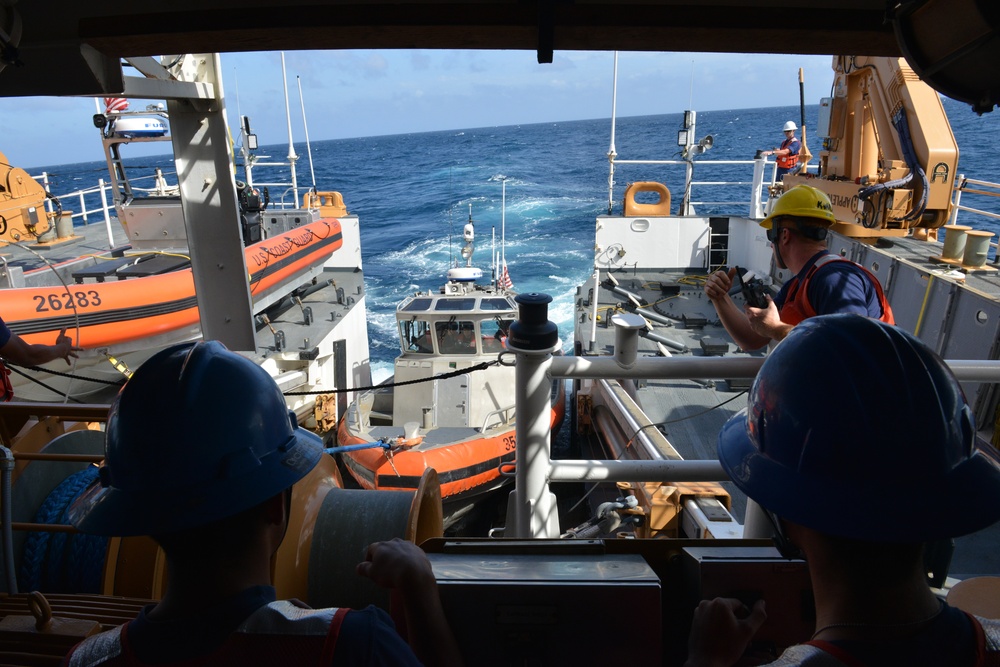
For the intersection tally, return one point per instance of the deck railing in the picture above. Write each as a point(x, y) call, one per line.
point(535, 513)
point(983, 193)
point(96, 203)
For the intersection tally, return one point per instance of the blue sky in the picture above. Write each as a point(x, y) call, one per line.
point(366, 93)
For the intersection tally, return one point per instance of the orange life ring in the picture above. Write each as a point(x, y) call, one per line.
point(634, 208)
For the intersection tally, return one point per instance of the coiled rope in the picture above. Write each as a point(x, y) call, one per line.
point(63, 562)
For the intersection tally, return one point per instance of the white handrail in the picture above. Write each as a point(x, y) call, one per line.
point(535, 513)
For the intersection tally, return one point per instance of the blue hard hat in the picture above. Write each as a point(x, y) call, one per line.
point(197, 434)
point(856, 428)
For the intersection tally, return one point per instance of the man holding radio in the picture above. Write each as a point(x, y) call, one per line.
point(824, 283)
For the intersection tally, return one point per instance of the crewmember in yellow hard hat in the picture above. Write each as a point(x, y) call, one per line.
point(823, 284)
point(788, 154)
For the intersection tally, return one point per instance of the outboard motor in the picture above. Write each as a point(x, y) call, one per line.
point(252, 204)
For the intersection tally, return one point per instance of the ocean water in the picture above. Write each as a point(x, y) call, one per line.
point(413, 193)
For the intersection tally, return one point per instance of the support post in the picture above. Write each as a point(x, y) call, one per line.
point(532, 510)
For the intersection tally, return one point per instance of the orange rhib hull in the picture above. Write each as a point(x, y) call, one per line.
point(465, 468)
point(111, 313)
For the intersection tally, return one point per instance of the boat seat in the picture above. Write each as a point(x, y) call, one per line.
point(155, 266)
point(104, 269)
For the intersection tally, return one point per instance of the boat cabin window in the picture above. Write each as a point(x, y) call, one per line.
point(417, 304)
point(457, 337)
point(456, 304)
point(417, 336)
point(494, 334)
point(497, 304)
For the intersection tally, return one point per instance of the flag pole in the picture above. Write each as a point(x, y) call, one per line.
point(503, 220)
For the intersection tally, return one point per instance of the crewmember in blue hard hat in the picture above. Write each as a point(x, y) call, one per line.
point(822, 284)
point(860, 447)
point(201, 454)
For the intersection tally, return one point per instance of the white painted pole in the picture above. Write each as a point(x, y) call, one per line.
point(302, 104)
point(107, 213)
point(292, 157)
point(532, 508)
point(503, 221)
point(612, 153)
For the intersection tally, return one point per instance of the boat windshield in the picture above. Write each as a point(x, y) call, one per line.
point(494, 303)
point(457, 337)
point(417, 336)
point(456, 304)
point(494, 333)
point(417, 304)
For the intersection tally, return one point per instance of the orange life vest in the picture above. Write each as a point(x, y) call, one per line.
point(790, 160)
point(6, 388)
point(797, 307)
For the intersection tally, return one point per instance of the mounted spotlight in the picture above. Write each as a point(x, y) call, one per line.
point(100, 121)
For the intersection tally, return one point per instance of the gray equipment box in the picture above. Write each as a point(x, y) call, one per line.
point(752, 573)
point(550, 609)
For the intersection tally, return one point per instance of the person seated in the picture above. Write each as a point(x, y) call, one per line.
point(423, 343)
point(857, 491)
point(459, 341)
point(201, 453)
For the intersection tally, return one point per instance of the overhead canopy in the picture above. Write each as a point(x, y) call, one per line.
point(72, 47)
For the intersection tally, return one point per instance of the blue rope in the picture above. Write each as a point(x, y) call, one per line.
point(63, 562)
point(382, 442)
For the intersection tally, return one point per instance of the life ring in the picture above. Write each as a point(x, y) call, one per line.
point(634, 208)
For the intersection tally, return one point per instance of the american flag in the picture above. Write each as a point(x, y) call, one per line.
point(115, 104)
point(505, 281)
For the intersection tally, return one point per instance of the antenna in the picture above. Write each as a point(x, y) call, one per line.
point(612, 154)
point(236, 78)
point(302, 105)
point(292, 157)
point(691, 94)
point(503, 219)
point(451, 219)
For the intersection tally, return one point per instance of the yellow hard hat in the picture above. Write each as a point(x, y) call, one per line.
point(802, 201)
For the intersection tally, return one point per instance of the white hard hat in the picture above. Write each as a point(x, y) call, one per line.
point(790, 125)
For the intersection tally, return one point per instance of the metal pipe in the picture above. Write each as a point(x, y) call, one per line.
point(43, 456)
point(669, 342)
point(612, 435)
point(680, 368)
point(594, 470)
point(627, 411)
point(675, 368)
point(594, 299)
point(655, 316)
point(7, 464)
